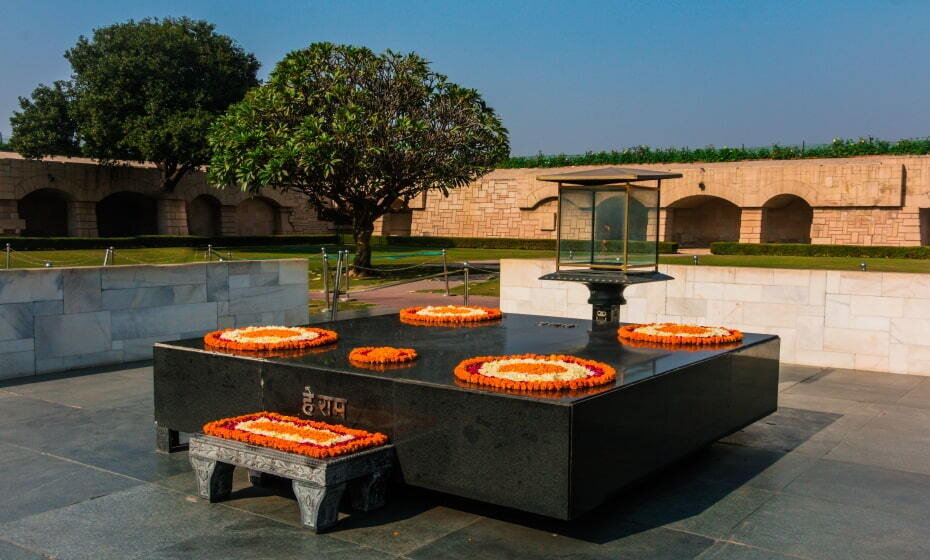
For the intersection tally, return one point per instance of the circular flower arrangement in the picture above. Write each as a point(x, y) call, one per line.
point(446, 314)
point(673, 333)
point(535, 372)
point(270, 338)
point(382, 355)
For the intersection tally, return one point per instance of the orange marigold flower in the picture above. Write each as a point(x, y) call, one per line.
point(675, 334)
point(382, 355)
point(534, 372)
point(270, 338)
point(449, 314)
point(294, 435)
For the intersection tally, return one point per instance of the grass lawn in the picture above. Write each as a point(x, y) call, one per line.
point(319, 306)
point(814, 263)
point(393, 263)
point(489, 287)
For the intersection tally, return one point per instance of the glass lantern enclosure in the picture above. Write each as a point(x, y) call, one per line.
point(609, 219)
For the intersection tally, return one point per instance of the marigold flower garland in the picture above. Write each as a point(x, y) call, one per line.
point(382, 355)
point(294, 435)
point(673, 333)
point(270, 338)
point(446, 314)
point(535, 372)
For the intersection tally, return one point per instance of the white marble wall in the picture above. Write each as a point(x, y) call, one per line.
point(64, 318)
point(864, 320)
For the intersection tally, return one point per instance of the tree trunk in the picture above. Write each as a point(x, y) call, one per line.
point(362, 263)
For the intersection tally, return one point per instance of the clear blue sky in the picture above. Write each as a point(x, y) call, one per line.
point(574, 76)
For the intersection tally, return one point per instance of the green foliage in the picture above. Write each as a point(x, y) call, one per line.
point(140, 91)
point(45, 124)
point(839, 148)
point(665, 247)
point(808, 250)
point(145, 241)
point(356, 133)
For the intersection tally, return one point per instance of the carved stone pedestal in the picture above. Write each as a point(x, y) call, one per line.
point(318, 483)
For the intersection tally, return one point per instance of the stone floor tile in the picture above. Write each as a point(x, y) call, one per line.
point(10, 551)
point(409, 521)
point(121, 525)
point(784, 430)
point(897, 438)
point(919, 396)
point(256, 539)
point(738, 465)
point(15, 409)
point(116, 439)
point(493, 538)
point(730, 551)
point(866, 486)
point(843, 389)
point(871, 379)
point(32, 483)
point(818, 529)
point(697, 506)
point(111, 388)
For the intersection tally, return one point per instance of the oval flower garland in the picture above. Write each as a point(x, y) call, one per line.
point(382, 355)
point(673, 333)
point(270, 338)
point(295, 435)
point(535, 372)
point(445, 314)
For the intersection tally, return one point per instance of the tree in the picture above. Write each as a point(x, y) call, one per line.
point(45, 122)
point(139, 91)
point(355, 132)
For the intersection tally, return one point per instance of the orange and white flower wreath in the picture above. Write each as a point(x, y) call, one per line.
point(294, 435)
point(535, 372)
point(445, 314)
point(382, 355)
point(270, 338)
point(673, 333)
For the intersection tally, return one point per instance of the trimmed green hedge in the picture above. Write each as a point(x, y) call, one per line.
point(665, 247)
point(148, 241)
point(807, 250)
point(839, 148)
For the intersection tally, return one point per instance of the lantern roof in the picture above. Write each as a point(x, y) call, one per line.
point(607, 175)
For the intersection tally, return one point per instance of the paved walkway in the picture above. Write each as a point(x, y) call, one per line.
point(842, 470)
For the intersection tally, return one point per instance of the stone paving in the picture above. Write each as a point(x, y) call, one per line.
point(842, 470)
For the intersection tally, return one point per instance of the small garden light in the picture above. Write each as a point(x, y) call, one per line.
point(863, 267)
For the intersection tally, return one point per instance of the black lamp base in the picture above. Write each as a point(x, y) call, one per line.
point(606, 288)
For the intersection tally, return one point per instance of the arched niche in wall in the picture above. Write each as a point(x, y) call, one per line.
point(125, 213)
point(256, 216)
point(699, 220)
point(203, 215)
point(787, 218)
point(45, 212)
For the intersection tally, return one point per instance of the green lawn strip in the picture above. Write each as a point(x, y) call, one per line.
point(490, 287)
point(319, 306)
point(811, 263)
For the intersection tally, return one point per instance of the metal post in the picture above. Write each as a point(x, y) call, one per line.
point(209, 253)
point(445, 272)
point(863, 267)
point(338, 280)
point(9, 255)
point(112, 256)
point(695, 258)
point(325, 280)
point(347, 276)
point(466, 282)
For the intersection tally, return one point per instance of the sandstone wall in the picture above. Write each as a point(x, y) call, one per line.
point(863, 320)
point(867, 200)
point(61, 319)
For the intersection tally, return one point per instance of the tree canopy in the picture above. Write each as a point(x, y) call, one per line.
point(355, 132)
point(140, 91)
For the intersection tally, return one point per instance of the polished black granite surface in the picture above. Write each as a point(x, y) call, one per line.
point(557, 454)
point(442, 348)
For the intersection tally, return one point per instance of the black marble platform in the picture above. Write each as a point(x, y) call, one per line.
point(558, 455)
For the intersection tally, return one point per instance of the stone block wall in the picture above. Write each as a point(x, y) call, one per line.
point(864, 320)
point(60, 319)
